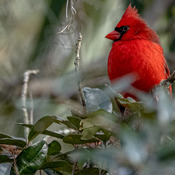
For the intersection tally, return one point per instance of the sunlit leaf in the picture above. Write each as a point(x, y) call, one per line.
point(65, 122)
point(101, 119)
point(130, 103)
point(96, 99)
point(40, 126)
point(68, 124)
point(31, 158)
point(89, 132)
point(104, 135)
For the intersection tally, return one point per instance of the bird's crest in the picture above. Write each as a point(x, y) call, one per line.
point(130, 16)
point(138, 27)
point(131, 11)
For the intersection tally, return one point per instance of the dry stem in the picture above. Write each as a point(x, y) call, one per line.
point(170, 80)
point(163, 84)
point(74, 167)
point(77, 70)
point(27, 119)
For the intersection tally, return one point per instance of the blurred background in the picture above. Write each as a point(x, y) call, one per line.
point(43, 34)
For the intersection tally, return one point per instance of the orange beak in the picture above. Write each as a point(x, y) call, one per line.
point(114, 35)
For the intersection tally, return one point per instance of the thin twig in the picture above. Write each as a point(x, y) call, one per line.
point(15, 167)
point(77, 70)
point(72, 8)
point(73, 11)
point(66, 27)
point(27, 120)
point(170, 80)
point(164, 84)
point(31, 109)
point(74, 167)
point(67, 7)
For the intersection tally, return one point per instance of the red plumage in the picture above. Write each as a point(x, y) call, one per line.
point(136, 50)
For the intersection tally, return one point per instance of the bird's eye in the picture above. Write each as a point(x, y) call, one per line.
point(125, 28)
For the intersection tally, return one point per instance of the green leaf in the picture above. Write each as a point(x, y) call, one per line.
point(5, 168)
point(13, 141)
point(96, 99)
point(88, 171)
point(76, 139)
point(77, 114)
point(31, 158)
point(104, 135)
point(4, 136)
point(40, 126)
point(52, 134)
point(68, 124)
point(89, 132)
point(65, 122)
point(5, 158)
point(45, 132)
point(54, 148)
point(59, 165)
point(102, 120)
point(130, 103)
point(75, 121)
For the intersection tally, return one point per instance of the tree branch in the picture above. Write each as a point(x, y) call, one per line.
point(170, 80)
point(77, 70)
point(164, 84)
point(27, 118)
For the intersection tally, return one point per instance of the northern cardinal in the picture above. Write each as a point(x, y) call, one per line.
point(136, 50)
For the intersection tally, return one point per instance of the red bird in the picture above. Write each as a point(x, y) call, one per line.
point(136, 50)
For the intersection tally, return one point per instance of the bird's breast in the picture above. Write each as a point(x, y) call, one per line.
point(142, 58)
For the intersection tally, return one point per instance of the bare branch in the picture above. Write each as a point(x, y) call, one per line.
point(74, 167)
point(170, 80)
point(73, 12)
point(31, 109)
point(77, 70)
point(163, 84)
point(15, 167)
point(67, 7)
point(24, 97)
point(66, 27)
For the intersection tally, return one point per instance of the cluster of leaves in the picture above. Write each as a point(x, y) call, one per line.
point(140, 142)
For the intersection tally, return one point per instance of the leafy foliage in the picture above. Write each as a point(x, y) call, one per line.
point(103, 141)
point(138, 140)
